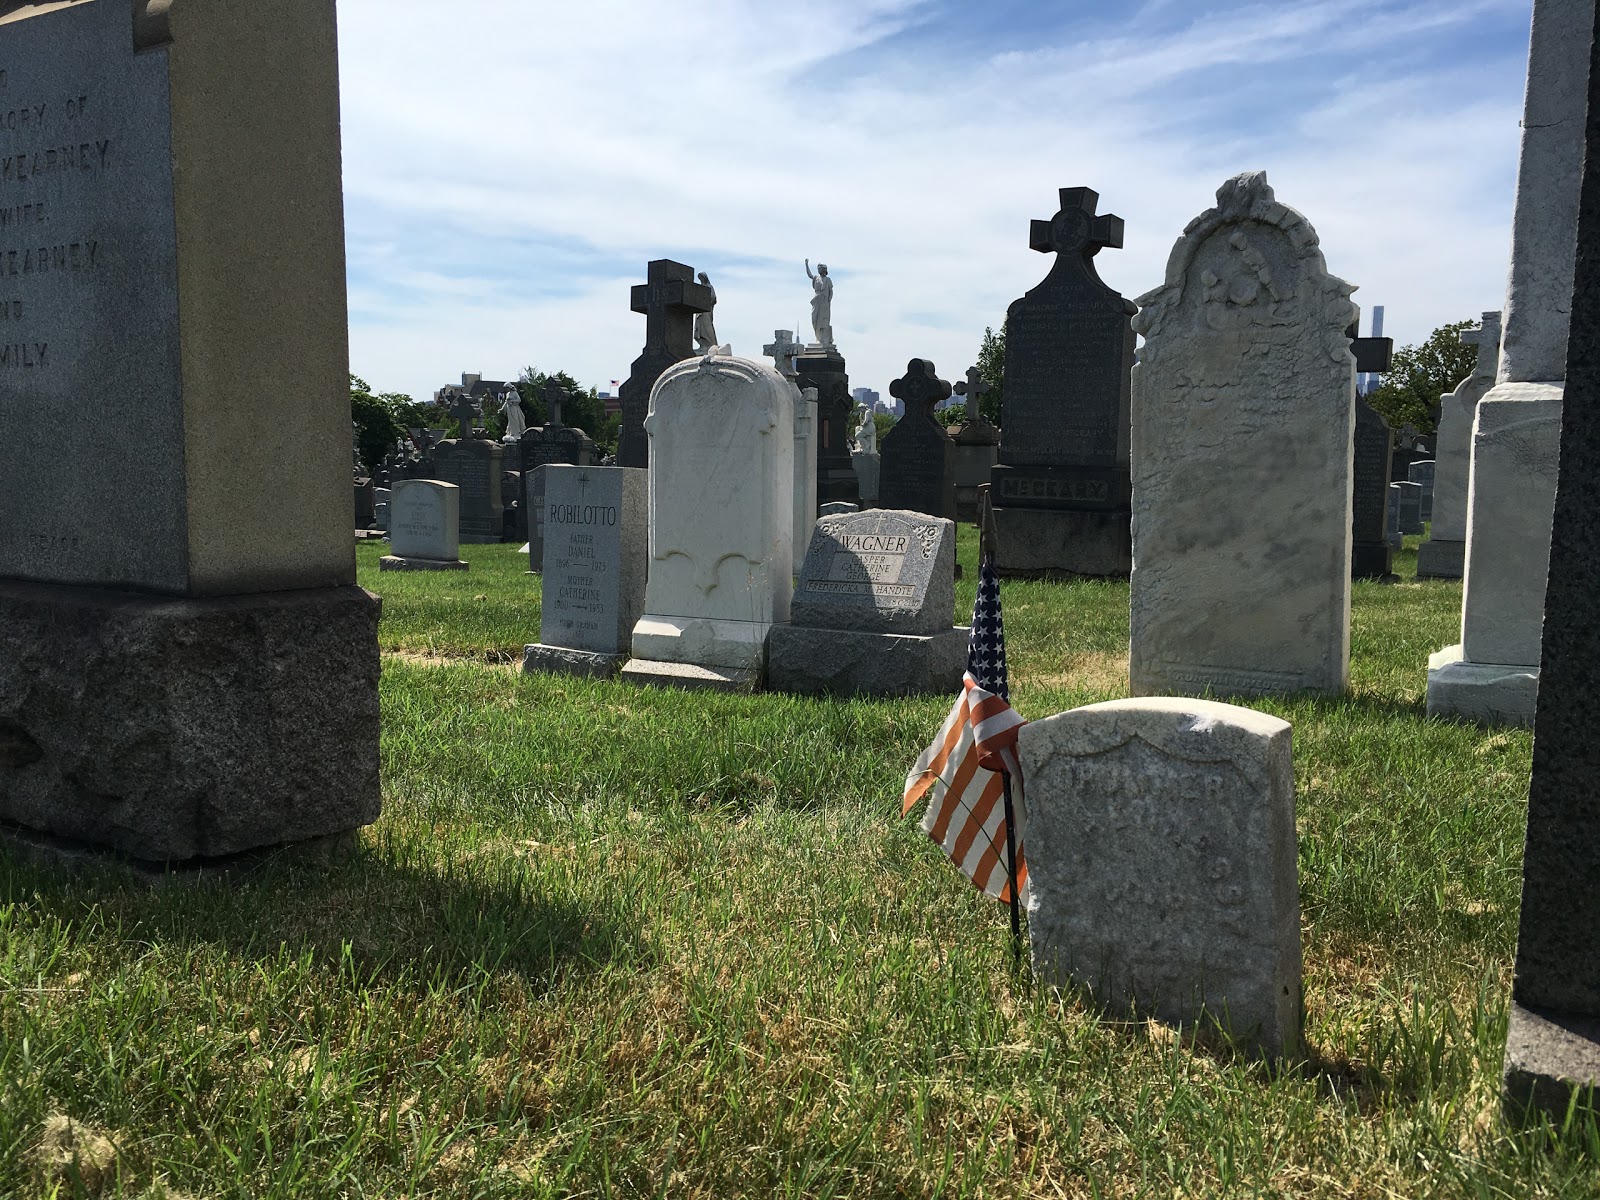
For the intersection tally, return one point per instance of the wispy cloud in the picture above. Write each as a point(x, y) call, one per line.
point(510, 167)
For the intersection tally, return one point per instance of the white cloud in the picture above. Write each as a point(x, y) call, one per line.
point(510, 167)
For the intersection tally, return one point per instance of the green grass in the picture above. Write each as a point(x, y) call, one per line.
point(607, 941)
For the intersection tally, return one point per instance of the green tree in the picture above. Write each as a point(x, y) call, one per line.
point(992, 362)
point(582, 409)
point(1419, 375)
point(950, 417)
point(381, 419)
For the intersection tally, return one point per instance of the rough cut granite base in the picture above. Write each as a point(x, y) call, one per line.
point(1481, 692)
point(690, 677)
point(563, 660)
point(1034, 543)
point(1550, 1055)
point(848, 663)
point(1441, 560)
point(392, 562)
point(705, 642)
point(170, 730)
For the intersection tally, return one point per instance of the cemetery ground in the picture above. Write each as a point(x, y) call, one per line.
point(608, 941)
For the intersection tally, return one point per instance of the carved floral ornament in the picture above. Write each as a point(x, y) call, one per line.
point(1241, 292)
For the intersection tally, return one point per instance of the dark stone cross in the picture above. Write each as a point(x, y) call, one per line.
point(920, 386)
point(783, 350)
point(463, 410)
point(669, 301)
point(554, 394)
point(974, 390)
point(1076, 232)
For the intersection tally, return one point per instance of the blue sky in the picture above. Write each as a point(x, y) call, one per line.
point(511, 166)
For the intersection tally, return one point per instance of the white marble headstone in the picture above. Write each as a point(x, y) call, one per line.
point(424, 520)
point(1243, 405)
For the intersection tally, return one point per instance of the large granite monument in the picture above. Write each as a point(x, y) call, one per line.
point(669, 300)
point(1553, 1043)
point(1492, 675)
point(187, 669)
point(1061, 489)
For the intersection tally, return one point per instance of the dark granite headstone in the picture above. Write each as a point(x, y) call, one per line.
point(1410, 507)
point(516, 515)
point(823, 368)
point(918, 470)
point(1061, 490)
point(1371, 556)
point(475, 466)
point(669, 302)
point(1422, 472)
point(1553, 1045)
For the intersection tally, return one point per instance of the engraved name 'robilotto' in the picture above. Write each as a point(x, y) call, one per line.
point(582, 514)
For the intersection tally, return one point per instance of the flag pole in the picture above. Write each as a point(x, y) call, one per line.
point(987, 534)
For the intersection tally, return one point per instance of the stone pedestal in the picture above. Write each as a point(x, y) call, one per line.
point(822, 367)
point(1062, 522)
point(177, 729)
point(977, 452)
point(868, 467)
point(843, 663)
point(1492, 676)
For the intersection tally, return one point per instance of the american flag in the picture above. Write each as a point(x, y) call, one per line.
point(959, 772)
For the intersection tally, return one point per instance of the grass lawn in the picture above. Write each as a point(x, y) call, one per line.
point(607, 941)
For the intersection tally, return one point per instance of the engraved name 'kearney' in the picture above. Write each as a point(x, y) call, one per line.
point(85, 156)
point(73, 256)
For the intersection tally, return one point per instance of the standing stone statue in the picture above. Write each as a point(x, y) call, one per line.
point(821, 303)
point(705, 331)
point(511, 405)
point(867, 433)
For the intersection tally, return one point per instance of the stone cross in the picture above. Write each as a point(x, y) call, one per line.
point(1487, 339)
point(783, 351)
point(554, 394)
point(463, 410)
point(1076, 231)
point(669, 301)
point(920, 387)
point(974, 389)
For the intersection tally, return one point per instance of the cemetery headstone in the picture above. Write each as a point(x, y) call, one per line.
point(1061, 489)
point(1492, 675)
point(1244, 394)
point(513, 494)
point(871, 615)
point(669, 300)
point(1422, 474)
point(175, 575)
point(1444, 554)
point(822, 367)
point(1161, 864)
point(721, 435)
point(865, 458)
point(424, 527)
point(1553, 1040)
point(977, 447)
point(545, 445)
point(1410, 507)
point(476, 466)
point(1371, 556)
point(594, 565)
point(805, 472)
point(1394, 537)
point(918, 471)
point(380, 508)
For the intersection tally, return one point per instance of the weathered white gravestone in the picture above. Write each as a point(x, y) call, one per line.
point(805, 473)
point(1492, 676)
point(721, 450)
point(593, 574)
point(424, 527)
point(1161, 863)
point(1444, 554)
point(1243, 394)
point(156, 237)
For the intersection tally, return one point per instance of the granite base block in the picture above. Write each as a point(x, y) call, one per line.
point(169, 730)
point(690, 677)
point(1373, 560)
point(1549, 1057)
point(390, 562)
point(706, 642)
point(562, 660)
point(804, 659)
point(1483, 692)
point(1036, 543)
point(1441, 560)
